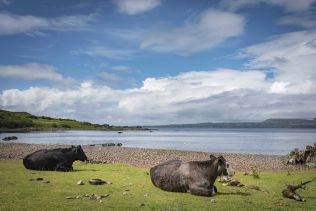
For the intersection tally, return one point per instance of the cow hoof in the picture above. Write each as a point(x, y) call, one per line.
point(96, 181)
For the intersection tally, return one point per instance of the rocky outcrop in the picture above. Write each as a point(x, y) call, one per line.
point(306, 157)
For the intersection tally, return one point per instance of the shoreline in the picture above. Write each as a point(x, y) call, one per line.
point(143, 157)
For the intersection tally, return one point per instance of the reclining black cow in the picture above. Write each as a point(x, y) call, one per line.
point(198, 177)
point(60, 159)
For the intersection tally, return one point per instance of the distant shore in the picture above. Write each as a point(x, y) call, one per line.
point(149, 157)
point(28, 130)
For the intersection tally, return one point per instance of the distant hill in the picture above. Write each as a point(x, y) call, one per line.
point(23, 121)
point(269, 123)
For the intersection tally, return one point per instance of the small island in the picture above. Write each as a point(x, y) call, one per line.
point(26, 122)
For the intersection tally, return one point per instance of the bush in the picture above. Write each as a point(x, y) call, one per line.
point(255, 173)
point(65, 126)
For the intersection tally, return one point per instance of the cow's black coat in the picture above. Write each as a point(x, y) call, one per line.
point(198, 177)
point(60, 159)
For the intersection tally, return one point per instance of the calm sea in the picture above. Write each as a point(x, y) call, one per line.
point(256, 141)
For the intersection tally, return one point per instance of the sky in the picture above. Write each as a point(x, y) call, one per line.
point(152, 62)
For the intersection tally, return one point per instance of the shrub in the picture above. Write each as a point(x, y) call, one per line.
point(255, 173)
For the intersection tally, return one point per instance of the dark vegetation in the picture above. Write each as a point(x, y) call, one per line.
point(269, 123)
point(23, 122)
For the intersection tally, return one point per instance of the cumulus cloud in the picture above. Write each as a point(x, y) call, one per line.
point(32, 71)
point(197, 96)
point(204, 32)
point(292, 56)
point(134, 7)
point(14, 24)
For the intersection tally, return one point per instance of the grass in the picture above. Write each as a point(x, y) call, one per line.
point(18, 193)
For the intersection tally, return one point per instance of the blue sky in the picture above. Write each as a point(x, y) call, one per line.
point(159, 61)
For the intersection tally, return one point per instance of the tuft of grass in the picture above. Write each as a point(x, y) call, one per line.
point(18, 193)
point(255, 173)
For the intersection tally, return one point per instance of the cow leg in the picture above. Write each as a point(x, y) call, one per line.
point(63, 167)
point(201, 191)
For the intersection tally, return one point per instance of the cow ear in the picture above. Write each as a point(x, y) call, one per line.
point(220, 160)
point(212, 157)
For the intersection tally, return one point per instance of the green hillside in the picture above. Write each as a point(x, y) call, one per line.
point(23, 121)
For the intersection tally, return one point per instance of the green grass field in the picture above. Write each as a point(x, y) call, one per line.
point(18, 193)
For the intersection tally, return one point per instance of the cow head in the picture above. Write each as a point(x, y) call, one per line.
point(79, 153)
point(222, 166)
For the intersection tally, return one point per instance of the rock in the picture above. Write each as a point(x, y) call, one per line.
point(96, 182)
point(37, 179)
point(93, 196)
point(213, 201)
point(310, 165)
point(146, 195)
point(10, 138)
point(230, 171)
point(124, 193)
point(80, 182)
point(46, 181)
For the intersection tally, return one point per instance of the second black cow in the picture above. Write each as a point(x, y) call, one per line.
point(60, 159)
point(198, 177)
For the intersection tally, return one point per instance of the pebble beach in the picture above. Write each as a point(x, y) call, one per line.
point(141, 157)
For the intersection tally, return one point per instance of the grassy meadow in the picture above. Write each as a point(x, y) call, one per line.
point(19, 193)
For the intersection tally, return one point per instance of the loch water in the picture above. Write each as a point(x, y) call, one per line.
point(253, 141)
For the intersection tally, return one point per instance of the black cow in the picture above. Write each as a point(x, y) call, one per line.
point(198, 177)
point(60, 159)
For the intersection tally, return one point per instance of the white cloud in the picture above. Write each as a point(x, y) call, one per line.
point(106, 53)
point(32, 71)
point(288, 5)
point(14, 24)
point(134, 7)
point(206, 31)
point(197, 96)
point(293, 58)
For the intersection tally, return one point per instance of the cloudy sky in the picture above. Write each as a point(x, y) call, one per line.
point(145, 62)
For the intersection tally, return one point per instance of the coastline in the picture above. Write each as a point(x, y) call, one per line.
point(142, 157)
